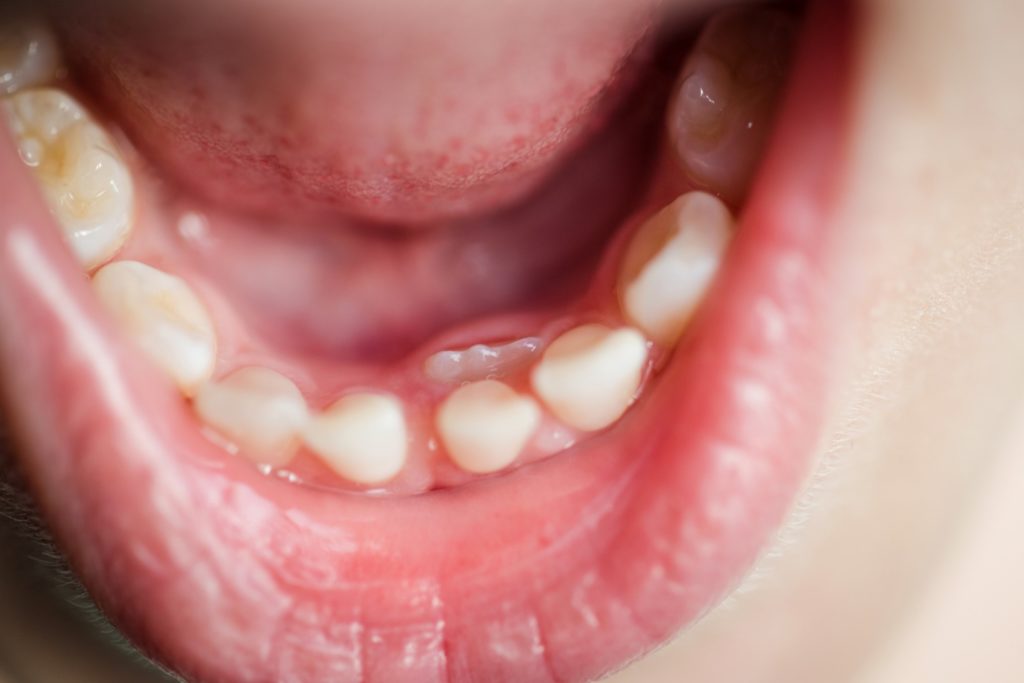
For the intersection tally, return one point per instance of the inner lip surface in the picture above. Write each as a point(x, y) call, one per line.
point(229, 575)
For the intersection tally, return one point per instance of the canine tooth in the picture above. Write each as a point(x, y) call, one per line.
point(670, 263)
point(28, 54)
point(362, 437)
point(259, 410)
point(724, 103)
point(589, 376)
point(162, 314)
point(485, 425)
point(481, 361)
point(83, 177)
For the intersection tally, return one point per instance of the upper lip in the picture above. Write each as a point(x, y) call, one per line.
point(560, 571)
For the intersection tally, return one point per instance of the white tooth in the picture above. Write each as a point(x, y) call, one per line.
point(85, 180)
point(162, 314)
point(28, 54)
point(362, 437)
point(485, 425)
point(481, 361)
point(670, 263)
point(259, 410)
point(589, 376)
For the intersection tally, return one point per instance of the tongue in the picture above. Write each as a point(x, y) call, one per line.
point(356, 108)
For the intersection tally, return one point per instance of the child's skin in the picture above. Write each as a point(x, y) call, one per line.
point(930, 370)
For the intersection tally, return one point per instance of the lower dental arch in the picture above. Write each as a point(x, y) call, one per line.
point(506, 401)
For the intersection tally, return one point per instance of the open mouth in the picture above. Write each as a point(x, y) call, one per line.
point(516, 414)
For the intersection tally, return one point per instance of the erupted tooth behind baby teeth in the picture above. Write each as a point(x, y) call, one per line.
point(82, 175)
point(670, 263)
point(28, 54)
point(485, 425)
point(481, 361)
point(259, 410)
point(362, 437)
point(163, 316)
point(589, 376)
point(724, 104)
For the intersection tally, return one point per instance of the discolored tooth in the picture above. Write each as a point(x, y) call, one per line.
point(485, 425)
point(259, 410)
point(28, 54)
point(161, 314)
point(589, 376)
point(670, 263)
point(726, 97)
point(362, 437)
point(83, 177)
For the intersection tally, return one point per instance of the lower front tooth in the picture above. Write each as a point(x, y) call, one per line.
point(161, 314)
point(485, 425)
point(670, 263)
point(362, 437)
point(589, 376)
point(259, 410)
point(85, 181)
point(28, 54)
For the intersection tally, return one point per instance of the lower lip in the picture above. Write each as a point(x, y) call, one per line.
point(559, 571)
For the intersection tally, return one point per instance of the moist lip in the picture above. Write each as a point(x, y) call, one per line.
point(228, 575)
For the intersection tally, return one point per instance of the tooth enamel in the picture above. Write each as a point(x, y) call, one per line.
point(723, 106)
point(670, 263)
point(259, 410)
point(589, 376)
point(28, 54)
point(481, 361)
point(362, 437)
point(163, 316)
point(485, 425)
point(85, 181)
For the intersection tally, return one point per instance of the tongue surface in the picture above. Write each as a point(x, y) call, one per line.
point(357, 108)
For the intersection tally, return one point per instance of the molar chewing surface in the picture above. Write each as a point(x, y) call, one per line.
point(587, 377)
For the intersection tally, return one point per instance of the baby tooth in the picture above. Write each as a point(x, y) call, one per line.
point(84, 179)
point(163, 316)
point(589, 376)
point(670, 263)
point(485, 425)
point(362, 437)
point(259, 410)
point(722, 109)
point(28, 54)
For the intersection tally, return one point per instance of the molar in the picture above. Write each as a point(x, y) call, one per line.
point(670, 263)
point(28, 54)
point(726, 97)
point(362, 437)
point(485, 425)
point(589, 376)
point(259, 410)
point(161, 314)
point(83, 177)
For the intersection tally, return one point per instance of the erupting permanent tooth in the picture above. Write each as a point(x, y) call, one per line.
point(362, 437)
point(485, 425)
point(481, 361)
point(670, 263)
point(161, 314)
point(259, 410)
point(589, 376)
point(28, 54)
point(85, 181)
point(725, 101)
